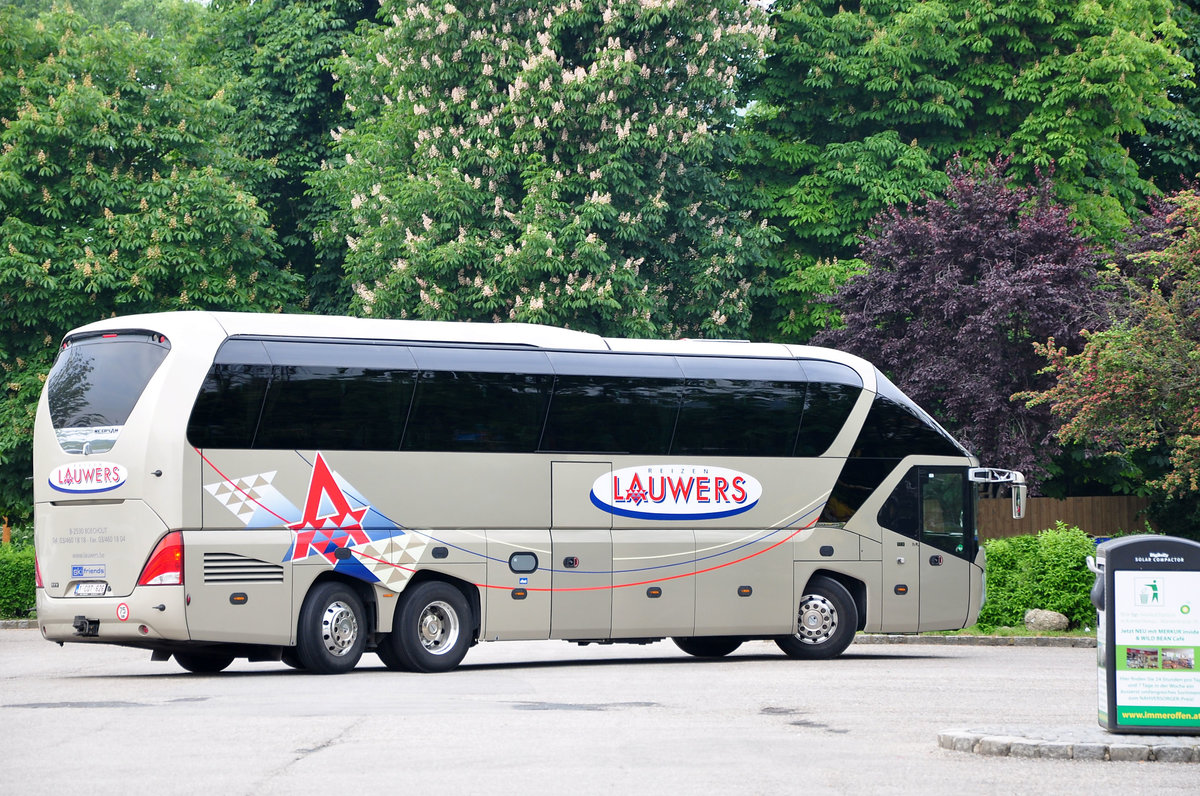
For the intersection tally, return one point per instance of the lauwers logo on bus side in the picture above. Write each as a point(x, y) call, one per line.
point(87, 477)
point(676, 492)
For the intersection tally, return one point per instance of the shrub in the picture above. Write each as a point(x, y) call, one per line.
point(17, 594)
point(1047, 570)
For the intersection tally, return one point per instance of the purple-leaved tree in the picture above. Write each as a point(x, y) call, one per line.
point(957, 292)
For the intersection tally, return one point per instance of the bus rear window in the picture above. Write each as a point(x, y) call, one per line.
point(95, 383)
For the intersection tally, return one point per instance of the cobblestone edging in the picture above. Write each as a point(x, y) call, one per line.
point(1072, 743)
point(978, 641)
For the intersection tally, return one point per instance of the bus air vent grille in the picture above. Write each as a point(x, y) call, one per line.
point(233, 568)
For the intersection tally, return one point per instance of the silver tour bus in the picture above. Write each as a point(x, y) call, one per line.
point(212, 486)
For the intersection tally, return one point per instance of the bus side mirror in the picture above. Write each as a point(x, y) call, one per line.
point(1020, 493)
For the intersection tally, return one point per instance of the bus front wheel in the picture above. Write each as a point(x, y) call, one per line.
point(825, 622)
point(710, 647)
point(331, 635)
point(432, 630)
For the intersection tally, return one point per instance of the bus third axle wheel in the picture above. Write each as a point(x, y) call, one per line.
point(432, 629)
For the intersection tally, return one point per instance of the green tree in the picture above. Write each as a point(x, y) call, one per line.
point(1169, 150)
point(115, 197)
point(565, 165)
point(860, 104)
point(1131, 392)
point(278, 56)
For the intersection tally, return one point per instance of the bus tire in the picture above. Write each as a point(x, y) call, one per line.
point(389, 657)
point(826, 622)
point(432, 630)
point(291, 658)
point(708, 647)
point(203, 662)
point(332, 633)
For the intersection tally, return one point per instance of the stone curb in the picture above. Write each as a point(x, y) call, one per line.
point(18, 624)
point(978, 641)
point(1072, 743)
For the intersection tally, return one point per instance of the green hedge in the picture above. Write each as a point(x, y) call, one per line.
point(1047, 571)
point(17, 595)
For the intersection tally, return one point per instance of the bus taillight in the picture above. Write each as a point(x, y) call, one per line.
point(37, 573)
point(165, 567)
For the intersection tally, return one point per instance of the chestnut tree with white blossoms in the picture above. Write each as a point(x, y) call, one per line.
point(565, 164)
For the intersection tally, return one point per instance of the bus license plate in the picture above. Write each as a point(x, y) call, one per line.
point(90, 589)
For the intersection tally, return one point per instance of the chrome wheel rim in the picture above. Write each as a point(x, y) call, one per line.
point(438, 627)
point(818, 620)
point(339, 628)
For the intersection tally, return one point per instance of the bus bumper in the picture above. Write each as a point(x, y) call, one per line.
point(149, 614)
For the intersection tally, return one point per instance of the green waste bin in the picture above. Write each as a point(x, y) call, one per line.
point(1147, 595)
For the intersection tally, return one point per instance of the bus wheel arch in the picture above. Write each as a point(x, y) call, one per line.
point(827, 617)
point(333, 627)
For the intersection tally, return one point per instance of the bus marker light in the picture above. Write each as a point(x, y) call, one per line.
point(519, 594)
point(238, 598)
point(901, 589)
point(145, 631)
point(654, 592)
point(745, 591)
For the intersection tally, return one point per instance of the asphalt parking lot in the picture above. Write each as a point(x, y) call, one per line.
point(551, 717)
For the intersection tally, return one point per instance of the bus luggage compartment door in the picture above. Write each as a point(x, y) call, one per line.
point(237, 586)
point(582, 553)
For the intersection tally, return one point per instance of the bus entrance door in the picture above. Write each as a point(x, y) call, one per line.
point(947, 543)
point(927, 541)
point(581, 553)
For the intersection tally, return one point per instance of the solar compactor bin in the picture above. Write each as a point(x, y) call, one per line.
point(1147, 595)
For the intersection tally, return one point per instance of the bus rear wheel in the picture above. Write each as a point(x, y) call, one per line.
point(711, 647)
point(331, 635)
point(203, 662)
point(389, 657)
point(432, 630)
point(826, 622)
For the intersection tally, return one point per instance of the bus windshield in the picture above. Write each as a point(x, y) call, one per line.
point(95, 383)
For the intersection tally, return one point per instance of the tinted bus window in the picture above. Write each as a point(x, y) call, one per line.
point(478, 400)
point(336, 396)
point(613, 404)
point(95, 383)
point(832, 392)
point(896, 427)
point(858, 481)
point(228, 407)
point(739, 407)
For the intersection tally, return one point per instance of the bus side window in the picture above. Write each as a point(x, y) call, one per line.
point(482, 412)
point(605, 403)
point(832, 392)
point(226, 411)
point(901, 511)
point(481, 400)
